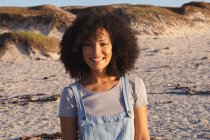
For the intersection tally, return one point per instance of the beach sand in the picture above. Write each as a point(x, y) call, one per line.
point(175, 69)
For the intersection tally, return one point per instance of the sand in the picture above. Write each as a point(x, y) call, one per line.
point(175, 69)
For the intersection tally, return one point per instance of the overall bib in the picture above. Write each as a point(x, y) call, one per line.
point(113, 127)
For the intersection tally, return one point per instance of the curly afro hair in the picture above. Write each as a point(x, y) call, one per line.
point(124, 44)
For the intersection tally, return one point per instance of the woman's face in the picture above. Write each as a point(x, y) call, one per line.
point(97, 54)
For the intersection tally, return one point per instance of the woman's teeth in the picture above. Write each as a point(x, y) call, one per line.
point(97, 59)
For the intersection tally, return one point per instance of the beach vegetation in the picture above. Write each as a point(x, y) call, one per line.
point(203, 5)
point(49, 15)
point(97, 9)
point(192, 7)
point(31, 41)
point(150, 13)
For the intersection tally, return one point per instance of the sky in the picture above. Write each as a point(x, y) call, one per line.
point(24, 3)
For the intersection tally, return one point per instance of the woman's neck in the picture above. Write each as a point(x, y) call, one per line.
point(97, 78)
point(98, 83)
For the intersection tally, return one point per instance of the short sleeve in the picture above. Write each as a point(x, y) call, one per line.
point(67, 107)
point(139, 92)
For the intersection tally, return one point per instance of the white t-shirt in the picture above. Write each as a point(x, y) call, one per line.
point(104, 103)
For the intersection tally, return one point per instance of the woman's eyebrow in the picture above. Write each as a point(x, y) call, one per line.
point(103, 39)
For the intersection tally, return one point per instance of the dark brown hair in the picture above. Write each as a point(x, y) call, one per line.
point(124, 44)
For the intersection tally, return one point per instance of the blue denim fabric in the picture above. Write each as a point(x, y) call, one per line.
point(114, 127)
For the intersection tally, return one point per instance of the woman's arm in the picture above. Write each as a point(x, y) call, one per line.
point(69, 128)
point(141, 124)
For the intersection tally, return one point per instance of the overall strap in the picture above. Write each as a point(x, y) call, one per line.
point(126, 96)
point(81, 109)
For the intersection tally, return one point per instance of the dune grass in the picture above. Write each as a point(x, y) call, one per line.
point(203, 5)
point(51, 15)
point(31, 41)
point(153, 14)
point(56, 17)
point(94, 9)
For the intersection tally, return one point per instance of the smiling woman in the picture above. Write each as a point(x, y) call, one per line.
point(85, 31)
point(97, 54)
point(98, 51)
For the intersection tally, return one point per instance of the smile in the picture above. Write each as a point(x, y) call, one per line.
point(97, 59)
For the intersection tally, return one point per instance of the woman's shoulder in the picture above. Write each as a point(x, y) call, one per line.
point(136, 85)
point(138, 90)
point(135, 80)
point(67, 90)
point(67, 103)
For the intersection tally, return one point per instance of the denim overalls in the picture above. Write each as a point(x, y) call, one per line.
point(114, 127)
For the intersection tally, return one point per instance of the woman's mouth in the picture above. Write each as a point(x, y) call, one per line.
point(97, 59)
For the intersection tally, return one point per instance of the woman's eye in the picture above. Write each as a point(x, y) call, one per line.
point(104, 44)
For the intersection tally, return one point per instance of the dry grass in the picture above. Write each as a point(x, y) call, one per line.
point(54, 17)
point(131, 12)
point(19, 11)
point(202, 5)
point(187, 10)
point(31, 41)
point(192, 7)
point(150, 12)
point(46, 14)
point(47, 7)
point(92, 10)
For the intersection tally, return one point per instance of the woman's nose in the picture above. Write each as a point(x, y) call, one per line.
point(96, 48)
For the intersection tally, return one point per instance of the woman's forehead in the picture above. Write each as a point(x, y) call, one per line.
point(101, 34)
